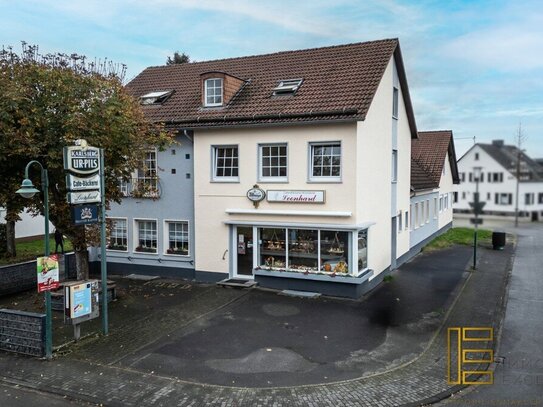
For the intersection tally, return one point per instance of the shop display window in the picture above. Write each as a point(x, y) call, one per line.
point(303, 246)
point(334, 251)
point(311, 250)
point(273, 249)
point(362, 250)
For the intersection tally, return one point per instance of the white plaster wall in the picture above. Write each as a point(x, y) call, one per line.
point(212, 199)
point(28, 225)
point(374, 169)
point(404, 175)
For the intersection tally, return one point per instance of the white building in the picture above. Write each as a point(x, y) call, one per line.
point(498, 183)
point(302, 169)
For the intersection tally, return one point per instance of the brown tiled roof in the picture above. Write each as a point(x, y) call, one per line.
point(339, 84)
point(428, 154)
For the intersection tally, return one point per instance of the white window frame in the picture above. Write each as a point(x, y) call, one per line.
point(428, 211)
point(136, 235)
point(166, 236)
point(416, 223)
point(435, 208)
point(272, 178)
point(400, 222)
point(146, 175)
point(406, 222)
point(112, 219)
point(208, 88)
point(324, 178)
point(214, 160)
point(395, 102)
point(394, 166)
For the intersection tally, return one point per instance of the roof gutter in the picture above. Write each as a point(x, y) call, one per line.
point(277, 116)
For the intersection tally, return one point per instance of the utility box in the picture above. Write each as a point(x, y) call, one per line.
point(498, 240)
point(81, 301)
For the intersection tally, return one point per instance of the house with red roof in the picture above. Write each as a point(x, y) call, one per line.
point(301, 171)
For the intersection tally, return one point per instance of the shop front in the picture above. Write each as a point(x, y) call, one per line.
point(301, 256)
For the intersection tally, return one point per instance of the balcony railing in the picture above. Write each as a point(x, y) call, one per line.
point(141, 188)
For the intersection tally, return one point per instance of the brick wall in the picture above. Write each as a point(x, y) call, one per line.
point(21, 277)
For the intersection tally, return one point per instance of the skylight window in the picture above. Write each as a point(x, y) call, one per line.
point(155, 98)
point(287, 86)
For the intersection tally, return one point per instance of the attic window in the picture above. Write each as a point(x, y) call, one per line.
point(155, 98)
point(287, 87)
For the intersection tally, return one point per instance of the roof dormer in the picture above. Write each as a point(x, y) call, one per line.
point(219, 88)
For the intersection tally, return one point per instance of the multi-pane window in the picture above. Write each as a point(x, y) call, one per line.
point(147, 236)
point(178, 238)
point(273, 162)
point(213, 92)
point(503, 199)
point(225, 164)
point(118, 238)
point(147, 181)
point(325, 160)
point(528, 199)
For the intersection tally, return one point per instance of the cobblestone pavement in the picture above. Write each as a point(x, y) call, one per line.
point(422, 381)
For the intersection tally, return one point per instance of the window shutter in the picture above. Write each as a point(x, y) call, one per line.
point(510, 199)
point(496, 198)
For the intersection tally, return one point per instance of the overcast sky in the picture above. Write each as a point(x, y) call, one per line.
point(472, 66)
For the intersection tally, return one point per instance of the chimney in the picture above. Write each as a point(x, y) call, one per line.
point(497, 143)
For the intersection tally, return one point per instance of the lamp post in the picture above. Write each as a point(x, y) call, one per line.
point(476, 210)
point(28, 190)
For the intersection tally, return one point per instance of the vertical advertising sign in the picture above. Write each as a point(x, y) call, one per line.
point(80, 301)
point(48, 273)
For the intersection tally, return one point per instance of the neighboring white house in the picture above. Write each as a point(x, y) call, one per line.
point(302, 169)
point(433, 175)
point(28, 226)
point(497, 186)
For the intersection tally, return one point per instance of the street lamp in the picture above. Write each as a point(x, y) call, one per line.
point(28, 190)
point(476, 210)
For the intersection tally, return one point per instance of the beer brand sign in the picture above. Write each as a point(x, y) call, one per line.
point(82, 160)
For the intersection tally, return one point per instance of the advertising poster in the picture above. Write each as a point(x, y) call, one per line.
point(81, 300)
point(48, 273)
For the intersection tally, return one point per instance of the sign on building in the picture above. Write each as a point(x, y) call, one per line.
point(295, 196)
point(83, 197)
point(75, 183)
point(48, 273)
point(84, 214)
point(82, 159)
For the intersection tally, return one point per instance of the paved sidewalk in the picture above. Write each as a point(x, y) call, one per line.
point(420, 381)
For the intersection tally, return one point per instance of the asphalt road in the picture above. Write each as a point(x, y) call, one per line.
point(265, 340)
point(15, 396)
point(518, 380)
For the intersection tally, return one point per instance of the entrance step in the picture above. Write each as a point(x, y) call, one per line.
point(302, 294)
point(141, 277)
point(237, 282)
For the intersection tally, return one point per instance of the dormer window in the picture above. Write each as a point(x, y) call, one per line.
point(287, 87)
point(214, 92)
point(155, 98)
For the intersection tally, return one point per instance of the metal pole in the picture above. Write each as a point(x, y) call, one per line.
point(103, 264)
point(517, 186)
point(48, 310)
point(476, 200)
